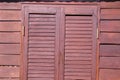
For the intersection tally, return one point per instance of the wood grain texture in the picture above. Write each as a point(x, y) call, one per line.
point(10, 78)
point(78, 47)
point(10, 26)
point(110, 26)
point(110, 62)
point(113, 38)
point(9, 72)
point(110, 5)
point(42, 35)
point(109, 74)
point(109, 50)
point(110, 13)
point(9, 49)
point(9, 37)
point(10, 6)
point(9, 59)
point(10, 15)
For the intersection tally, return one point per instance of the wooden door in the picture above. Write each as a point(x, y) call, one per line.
point(60, 43)
point(80, 23)
point(41, 43)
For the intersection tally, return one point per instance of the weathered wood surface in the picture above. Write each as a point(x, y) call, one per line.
point(110, 62)
point(109, 50)
point(109, 74)
point(10, 37)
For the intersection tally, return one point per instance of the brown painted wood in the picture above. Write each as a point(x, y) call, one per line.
point(78, 43)
point(110, 62)
point(45, 53)
point(10, 6)
point(10, 26)
point(10, 15)
point(109, 74)
point(110, 5)
point(10, 60)
point(9, 72)
point(109, 50)
point(9, 78)
point(113, 38)
point(110, 26)
point(10, 49)
point(9, 37)
point(110, 13)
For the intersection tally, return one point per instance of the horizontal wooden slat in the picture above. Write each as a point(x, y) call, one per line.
point(79, 32)
point(110, 62)
point(10, 78)
point(42, 64)
point(42, 16)
point(31, 78)
point(77, 77)
point(77, 62)
point(41, 68)
point(7, 6)
point(40, 56)
point(41, 53)
point(42, 34)
point(41, 75)
point(78, 54)
point(77, 70)
point(78, 47)
point(78, 26)
point(10, 26)
point(42, 23)
point(9, 37)
point(42, 45)
point(10, 15)
point(109, 74)
point(78, 58)
point(110, 26)
point(113, 5)
point(110, 38)
point(79, 22)
point(110, 50)
point(9, 59)
point(42, 38)
point(68, 18)
point(37, 60)
point(41, 19)
point(79, 29)
point(42, 27)
point(71, 66)
point(78, 43)
point(78, 74)
point(8, 72)
point(110, 13)
point(41, 49)
point(79, 39)
point(37, 72)
point(42, 30)
point(41, 42)
point(9, 48)
point(79, 51)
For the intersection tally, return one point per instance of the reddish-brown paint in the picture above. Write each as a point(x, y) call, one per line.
point(12, 32)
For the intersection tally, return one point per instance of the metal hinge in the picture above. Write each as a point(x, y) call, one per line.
point(23, 30)
point(97, 36)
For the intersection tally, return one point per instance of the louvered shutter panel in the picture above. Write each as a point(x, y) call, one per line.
point(80, 42)
point(42, 42)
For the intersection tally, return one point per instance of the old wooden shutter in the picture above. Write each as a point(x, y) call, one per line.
point(80, 41)
point(60, 43)
point(41, 43)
